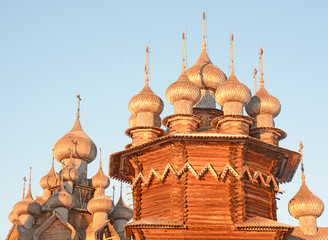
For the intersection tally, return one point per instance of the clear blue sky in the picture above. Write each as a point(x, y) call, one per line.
point(52, 50)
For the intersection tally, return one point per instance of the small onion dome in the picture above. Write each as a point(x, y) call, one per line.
point(146, 101)
point(122, 211)
point(100, 203)
point(49, 180)
point(183, 89)
point(69, 173)
point(232, 91)
point(132, 121)
point(78, 142)
point(100, 180)
point(305, 203)
point(263, 103)
point(27, 206)
point(12, 217)
point(61, 199)
point(204, 74)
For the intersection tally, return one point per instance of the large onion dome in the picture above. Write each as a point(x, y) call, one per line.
point(100, 180)
point(146, 101)
point(232, 95)
point(50, 180)
point(121, 210)
point(77, 142)
point(100, 203)
point(27, 206)
point(203, 73)
point(61, 198)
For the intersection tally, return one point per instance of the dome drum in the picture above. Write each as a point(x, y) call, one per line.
point(142, 135)
point(232, 124)
point(308, 225)
point(182, 123)
point(264, 120)
point(268, 135)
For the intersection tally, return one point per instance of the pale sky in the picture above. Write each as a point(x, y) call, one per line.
point(52, 50)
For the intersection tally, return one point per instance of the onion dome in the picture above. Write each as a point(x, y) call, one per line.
point(203, 73)
point(262, 102)
point(49, 180)
point(100, 180)
point(146, 101)
point(305, 203)
point(61, 198)
point(100, 203)
point(232, 91)
point(69, 173)
point(183, 89)
point(121, 210)
point(27, 206)
point(77, 141)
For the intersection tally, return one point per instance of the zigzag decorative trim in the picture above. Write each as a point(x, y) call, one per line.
point(257, 176)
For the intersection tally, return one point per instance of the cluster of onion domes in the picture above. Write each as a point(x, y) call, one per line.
point(77, 143)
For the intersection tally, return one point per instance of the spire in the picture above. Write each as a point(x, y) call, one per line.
point(261, 57)
point(24, 179)
point(146, 67)
point(302, 164)
point(78, 105)
point(232, 67)
point(121, 189)
point(255, 80)
point(29, 192)
point(183, 53)
point(204, 43)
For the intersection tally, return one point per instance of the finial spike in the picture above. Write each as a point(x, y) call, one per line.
point(113, 193)
point(255, 80)
point(29, 192)
point(78, 105)
point(261, 57)
point(204, 42)
point(232, 66)
point(183, 53)
point(100, 165)
point(146, 67)
point(121, 189)
point(302, 164)
point(24, 179)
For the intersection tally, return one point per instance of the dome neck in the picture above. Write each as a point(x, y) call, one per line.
point(204, 42)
